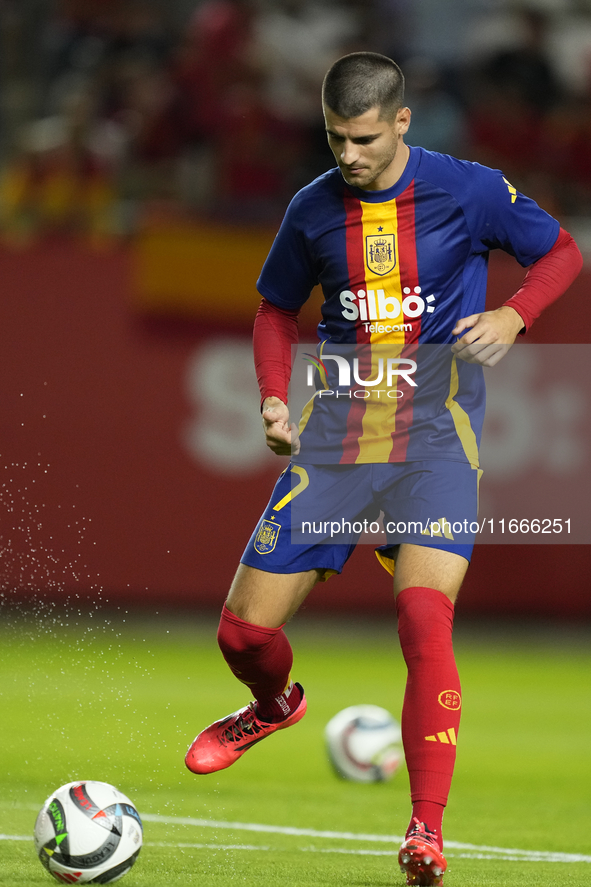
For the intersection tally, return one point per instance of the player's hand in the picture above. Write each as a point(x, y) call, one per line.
point(489, 335)
point(281, 437)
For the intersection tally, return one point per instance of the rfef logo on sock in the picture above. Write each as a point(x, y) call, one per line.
point(450, 699)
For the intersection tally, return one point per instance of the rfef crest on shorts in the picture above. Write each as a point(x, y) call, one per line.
point(266, 538)
point(380, 252)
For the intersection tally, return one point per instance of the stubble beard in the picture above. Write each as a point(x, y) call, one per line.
point(371, 175)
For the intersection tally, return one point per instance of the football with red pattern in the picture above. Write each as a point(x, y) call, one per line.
point(364, 743)
point(88, 833)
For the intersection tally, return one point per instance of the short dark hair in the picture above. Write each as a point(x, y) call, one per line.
point(363, 80)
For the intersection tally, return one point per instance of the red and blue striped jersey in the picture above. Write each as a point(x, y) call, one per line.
point(399, 268)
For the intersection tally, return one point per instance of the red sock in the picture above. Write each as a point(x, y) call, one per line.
point(432, 701)
point(431, 815)
point(261, 658)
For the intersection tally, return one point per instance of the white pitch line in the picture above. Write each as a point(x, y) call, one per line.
point(516, 856)
point(499, 852)
point(207, 846)
point(532, 856)
point(178, 844)
point(528, 856)
point(270, 829)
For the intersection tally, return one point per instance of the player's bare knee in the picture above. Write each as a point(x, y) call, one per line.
point(425, 567)
point(268, 599)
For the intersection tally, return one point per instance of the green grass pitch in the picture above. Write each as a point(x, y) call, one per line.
point(101, 698)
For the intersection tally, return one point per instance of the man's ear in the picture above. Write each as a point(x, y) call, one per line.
point(403, 120)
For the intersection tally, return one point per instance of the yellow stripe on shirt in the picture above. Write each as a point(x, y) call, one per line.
point(383, 295)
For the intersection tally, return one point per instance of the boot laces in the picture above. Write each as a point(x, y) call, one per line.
point(244, 727)
point(420, 829)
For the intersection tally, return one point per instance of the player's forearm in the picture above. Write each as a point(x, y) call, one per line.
point(547, 279)
point(275, 331)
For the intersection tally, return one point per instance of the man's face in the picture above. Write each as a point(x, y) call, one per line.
point(368, 150)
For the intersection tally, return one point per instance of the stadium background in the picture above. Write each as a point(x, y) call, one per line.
point(148, 150)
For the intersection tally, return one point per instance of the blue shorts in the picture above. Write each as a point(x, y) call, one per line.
point(317, 513)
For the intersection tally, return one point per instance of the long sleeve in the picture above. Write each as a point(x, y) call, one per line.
point(275, 331)
point(547, 279)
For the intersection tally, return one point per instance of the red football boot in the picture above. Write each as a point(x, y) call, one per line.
point(224, 741)
point(420, 858)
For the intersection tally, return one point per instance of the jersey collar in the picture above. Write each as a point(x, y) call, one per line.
point(396, 189)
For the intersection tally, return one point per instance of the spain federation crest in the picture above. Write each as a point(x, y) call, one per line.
point(266, 538)
point(380, 252)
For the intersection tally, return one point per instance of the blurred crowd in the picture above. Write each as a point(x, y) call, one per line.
point(113, 111)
